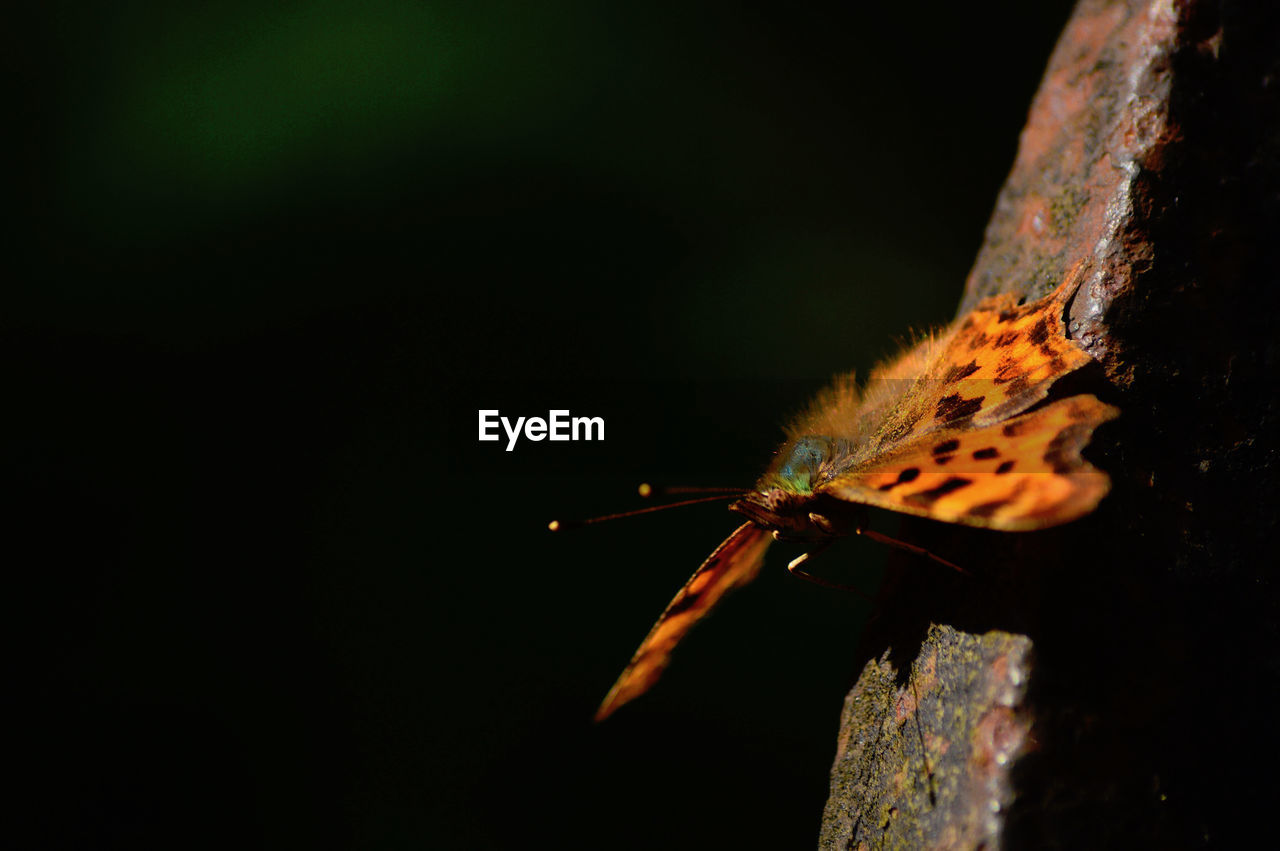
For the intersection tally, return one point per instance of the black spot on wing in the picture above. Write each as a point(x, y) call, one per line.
point(1008, 338)
point(1017, 387)
point(989, 452)
point(1060, 454)
point(908, 475)
point(941, 460)
point(932, 495)
point(946, 446)
point(1039, 332)
point(1007, 370)
point(1005, 466)
point(955, 407)
point(978, 341)
point(958, 372)
point(986, 509)
point(1008, 315)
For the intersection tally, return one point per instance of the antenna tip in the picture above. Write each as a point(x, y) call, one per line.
point(566, 525)
point(645, 489)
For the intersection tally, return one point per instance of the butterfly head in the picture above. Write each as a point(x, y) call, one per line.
point(804, 463)
point(784, 499)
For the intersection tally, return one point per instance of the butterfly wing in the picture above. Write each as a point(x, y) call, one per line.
point(996, 363)
point(1023, 473)
point(735, 562)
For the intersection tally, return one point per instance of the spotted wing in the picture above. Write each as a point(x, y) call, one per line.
point(735, 562)
point(997, 362)
point(1023, 473)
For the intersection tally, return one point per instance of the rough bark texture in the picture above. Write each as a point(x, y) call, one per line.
point(960, 720)
point(1111, 683)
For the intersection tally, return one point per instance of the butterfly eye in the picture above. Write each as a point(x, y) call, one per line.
point(800, 465)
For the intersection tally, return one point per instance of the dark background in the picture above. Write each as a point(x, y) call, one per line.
point(267, 587)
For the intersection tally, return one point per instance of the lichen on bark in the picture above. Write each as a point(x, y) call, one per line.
point(945, 730)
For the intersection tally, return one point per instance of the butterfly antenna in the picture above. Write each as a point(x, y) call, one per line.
point(647, 490)
point(911, 548)
point(559, 525)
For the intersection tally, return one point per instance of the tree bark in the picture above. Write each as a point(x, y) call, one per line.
point(1111, 683)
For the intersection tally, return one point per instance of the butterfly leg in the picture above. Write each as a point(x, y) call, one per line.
point(911, 548)
point(794, 569)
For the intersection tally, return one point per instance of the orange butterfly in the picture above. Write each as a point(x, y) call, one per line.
point(957, 429)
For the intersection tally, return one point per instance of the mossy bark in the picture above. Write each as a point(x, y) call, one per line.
point(945, 734)
point(1142, 637)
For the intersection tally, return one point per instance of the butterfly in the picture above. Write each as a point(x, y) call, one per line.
point(959, 428)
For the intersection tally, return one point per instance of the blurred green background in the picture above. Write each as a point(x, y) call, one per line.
point(270, 259)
